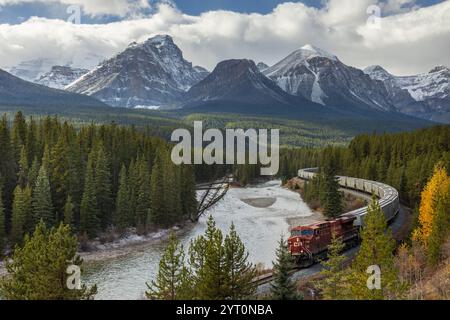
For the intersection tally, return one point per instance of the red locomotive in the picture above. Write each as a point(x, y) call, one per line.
point(309, 243)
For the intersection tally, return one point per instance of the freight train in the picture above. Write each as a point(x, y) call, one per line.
point(308, 244)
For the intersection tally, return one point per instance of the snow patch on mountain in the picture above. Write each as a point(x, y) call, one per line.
point(152, 73)
point(60, 76)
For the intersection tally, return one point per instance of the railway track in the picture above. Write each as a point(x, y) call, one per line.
point(389, 202)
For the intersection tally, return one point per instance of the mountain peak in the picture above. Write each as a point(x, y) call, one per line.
point(310, 50)
point(377, 72)
point(158, 40)
point(150, 73)
point(439, 69)
point(262, 66)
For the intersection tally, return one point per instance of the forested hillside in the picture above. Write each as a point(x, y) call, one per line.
point(403, 160)
point(95, 177)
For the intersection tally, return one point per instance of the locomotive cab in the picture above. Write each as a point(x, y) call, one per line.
point(300, 239)
point(310, 243)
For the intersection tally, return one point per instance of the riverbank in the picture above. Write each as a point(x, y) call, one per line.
point(131, 243)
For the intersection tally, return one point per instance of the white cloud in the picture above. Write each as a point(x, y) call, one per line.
point(406, 42)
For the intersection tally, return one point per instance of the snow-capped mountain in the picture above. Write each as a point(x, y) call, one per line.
point(425, 95)
point(152, 73)
point(18, 92)
point(32, 69)
point(262, 66)
point(322, 78)
point(238, 86)
point(60, 76)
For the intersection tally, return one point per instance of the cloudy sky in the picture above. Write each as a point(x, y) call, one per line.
point(405, 36)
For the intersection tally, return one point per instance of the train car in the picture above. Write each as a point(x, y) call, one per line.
point(388, 196)
point(307, 244)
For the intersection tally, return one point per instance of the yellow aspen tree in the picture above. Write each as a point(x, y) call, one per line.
point(435, 189)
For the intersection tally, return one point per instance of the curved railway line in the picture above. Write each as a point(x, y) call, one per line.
point(389, 201)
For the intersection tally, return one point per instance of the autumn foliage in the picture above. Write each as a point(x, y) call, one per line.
point(436, 189)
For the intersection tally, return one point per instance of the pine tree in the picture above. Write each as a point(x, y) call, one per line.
point(2, 226)
point(172, 191)
point(133, 190)
point(377, 247)
point(157, 200)
point(42, 202)
point(172, 276)
point(143, 198)
point(123, 217)
point(333, 284)
point(38, 270)
point(21, 221)
point(89, 213)
point(283, 288)
point(60, 171)
point(33, 172)
point(331, 193)
point(188, 192)
point(207, 261)
point(23, 168)
point(103, 187)
point(7, 161)
point(19, 133)
point(69, 208)
point(239, 272)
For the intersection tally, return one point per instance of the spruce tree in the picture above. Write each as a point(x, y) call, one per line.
point(21, 221)
point(42, 202)
point(239, 272)
point(171, 281)
point(282, 287)
point(38, 270)
point(123, 217)
point(333, 285)
point(69, 208)
point(188, 192)
point(143, 198)
point(103, 187)
point(133, 190)
point(89, 213)
point(332, 196)
point(33, 172)
point(207, 261)
point(157, 200)
point(172, 193)
point(23, 168)
point(377, 249)
point(60, 171)
point(8, 168)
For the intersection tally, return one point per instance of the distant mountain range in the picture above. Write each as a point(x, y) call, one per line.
point(424, 95)
point(321, 77)
point(17, 92)
point(154, 74)
point(239, 86)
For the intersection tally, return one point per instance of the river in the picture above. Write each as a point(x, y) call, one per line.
point(261, 214)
